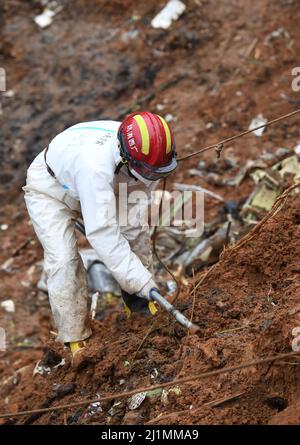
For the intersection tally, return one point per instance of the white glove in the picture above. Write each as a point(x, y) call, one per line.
point(145, 291)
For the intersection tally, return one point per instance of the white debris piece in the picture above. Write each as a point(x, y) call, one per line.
point(256, 122)
point(93, 409)
point(9, 93)
point(25, 283)
point(4, 226)
point(164, 396)
point(196, 188)
point(93, 309)
point(154, 374)
point(61, 363)
point(171, 12)
point(8, 305)
point(41, 369)
point(171, 287)
point(45, 19)
point(136, 400)
point(170, 118)
point(279, 32)
point(160, 107)
point(297, 149)
point(6, 266)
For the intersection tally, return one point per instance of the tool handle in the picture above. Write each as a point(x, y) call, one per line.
point(154, 295)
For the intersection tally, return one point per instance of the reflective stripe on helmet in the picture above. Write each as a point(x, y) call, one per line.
point(168, 134)
point(144, 133)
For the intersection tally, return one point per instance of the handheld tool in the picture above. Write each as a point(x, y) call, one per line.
point(155, 296)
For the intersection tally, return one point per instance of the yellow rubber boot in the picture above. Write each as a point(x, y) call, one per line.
point(76, 346)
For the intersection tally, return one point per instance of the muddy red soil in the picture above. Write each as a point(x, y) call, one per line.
point(87, 65)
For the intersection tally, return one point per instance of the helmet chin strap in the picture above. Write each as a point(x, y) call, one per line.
point(125, 161)
point(120, 165)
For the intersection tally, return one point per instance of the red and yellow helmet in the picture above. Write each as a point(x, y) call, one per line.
point(147, 144)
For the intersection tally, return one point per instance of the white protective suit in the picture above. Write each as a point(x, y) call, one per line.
point(84, 158)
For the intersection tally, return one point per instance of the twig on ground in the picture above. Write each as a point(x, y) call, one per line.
point(194, 299)
point(219, 402)
point(227, 331)
point(212, 404)
point(205, 275)
point(21, 247)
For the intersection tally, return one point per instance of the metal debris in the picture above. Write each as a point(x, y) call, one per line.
point(93, 409)
point(205, 251)
point(44, 369)
point(270, 183)
point(52, 8)
point(117, 408)
point(269, 173)
point(8, 305)
point(154, 374)
point(136, 400)
point(41, 369)
point(95, 297)
point(256, 122)
point(279, 32)
point(297, 149)
point(243, 172)
point(197, 188)
point(171, 287)
point(99, 277)
point(166, 392)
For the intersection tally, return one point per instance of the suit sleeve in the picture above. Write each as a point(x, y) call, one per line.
point(98, 206)
point(138, 235)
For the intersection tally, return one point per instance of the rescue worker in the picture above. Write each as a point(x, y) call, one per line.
point(80, 174)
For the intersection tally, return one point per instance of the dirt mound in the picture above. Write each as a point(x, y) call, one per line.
point(246, 308)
